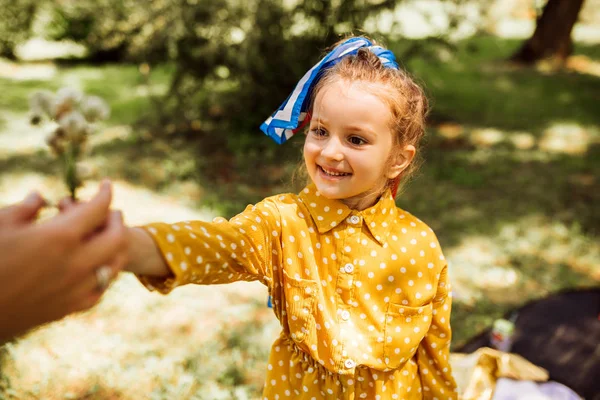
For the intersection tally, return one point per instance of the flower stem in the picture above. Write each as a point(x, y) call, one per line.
point(70, 160)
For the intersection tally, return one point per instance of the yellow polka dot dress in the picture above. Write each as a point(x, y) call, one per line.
point(362, 296)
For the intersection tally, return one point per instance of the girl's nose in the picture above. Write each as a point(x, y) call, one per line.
point(333, 149)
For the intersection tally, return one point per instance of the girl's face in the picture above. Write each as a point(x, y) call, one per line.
point(349, 143)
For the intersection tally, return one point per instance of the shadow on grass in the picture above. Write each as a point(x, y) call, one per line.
point(236, 175)
point(588, 50)
point(464, 192)
point(40, 162)
point(152, 164)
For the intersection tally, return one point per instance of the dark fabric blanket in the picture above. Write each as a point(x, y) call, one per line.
point(560, 333)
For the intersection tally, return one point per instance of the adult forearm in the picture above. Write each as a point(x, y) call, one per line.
point(144, 256)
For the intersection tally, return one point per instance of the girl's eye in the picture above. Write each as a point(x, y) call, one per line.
point(319, 132)
point(355, 140)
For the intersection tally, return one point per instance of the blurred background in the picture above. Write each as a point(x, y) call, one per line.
point(511, 181)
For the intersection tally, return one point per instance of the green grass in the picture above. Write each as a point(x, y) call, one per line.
point(507, 186)
point(477, 88)
point(15, 96)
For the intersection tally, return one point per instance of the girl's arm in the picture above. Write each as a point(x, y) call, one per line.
point(144, 255)
point(165, 256)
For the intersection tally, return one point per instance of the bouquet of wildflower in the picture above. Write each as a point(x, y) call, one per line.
point(75, 116)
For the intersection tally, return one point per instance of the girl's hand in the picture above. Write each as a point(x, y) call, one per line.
point(50, 269)
point(144, 256)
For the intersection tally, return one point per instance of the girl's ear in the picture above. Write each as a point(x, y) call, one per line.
point(402, 160)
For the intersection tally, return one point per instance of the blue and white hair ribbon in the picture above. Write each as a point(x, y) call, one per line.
point(289, 117)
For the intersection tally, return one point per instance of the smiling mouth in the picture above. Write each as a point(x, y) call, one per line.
point(333, 174)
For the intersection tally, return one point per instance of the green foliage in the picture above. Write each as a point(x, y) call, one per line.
point(248, 55)
point(15, 24)
point(115, 29)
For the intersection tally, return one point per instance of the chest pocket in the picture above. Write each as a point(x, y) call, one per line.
point(300, 297)
point(405, 327)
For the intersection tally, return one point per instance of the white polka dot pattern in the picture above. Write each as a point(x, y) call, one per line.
point(363, 297)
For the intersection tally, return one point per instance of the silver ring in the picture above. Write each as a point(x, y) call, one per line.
point(103, 275)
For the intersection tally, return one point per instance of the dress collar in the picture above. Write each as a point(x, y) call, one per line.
point(327, 213)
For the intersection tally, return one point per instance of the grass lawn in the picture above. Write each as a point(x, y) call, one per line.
point(511, 185)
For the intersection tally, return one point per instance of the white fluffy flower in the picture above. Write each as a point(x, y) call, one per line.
point(73, 124)
point(94, 108)
point(67, 94)
point(66, 99)
point(42, 102)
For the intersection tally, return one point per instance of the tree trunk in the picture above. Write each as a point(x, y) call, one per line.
point(552, 36)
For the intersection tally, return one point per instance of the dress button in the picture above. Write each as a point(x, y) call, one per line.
point(349, 268)
point(349, 363)
point(345, 315)
point(355, 219)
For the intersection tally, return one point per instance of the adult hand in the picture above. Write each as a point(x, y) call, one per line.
point(49, 269)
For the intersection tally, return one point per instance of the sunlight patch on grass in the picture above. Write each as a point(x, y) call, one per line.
point(15, 96)
point(125, 89)
point(73, 81)
point(522, 140)
point(584, 65)
point(487, 137)
point(111, 133)
point(529, 253)
point(568, 138)
point(18, 136)
point(137, 344)
point(557, 138)
point(27, 72)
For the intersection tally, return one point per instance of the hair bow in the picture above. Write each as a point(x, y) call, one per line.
point(291, 116)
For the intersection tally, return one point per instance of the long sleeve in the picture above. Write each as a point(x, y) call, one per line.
point(243, 248)
point(433, 355)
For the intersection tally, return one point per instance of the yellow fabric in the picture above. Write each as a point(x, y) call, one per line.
point(363, 297)
point(476, 374)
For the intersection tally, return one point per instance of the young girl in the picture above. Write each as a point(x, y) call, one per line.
point(360, 286)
